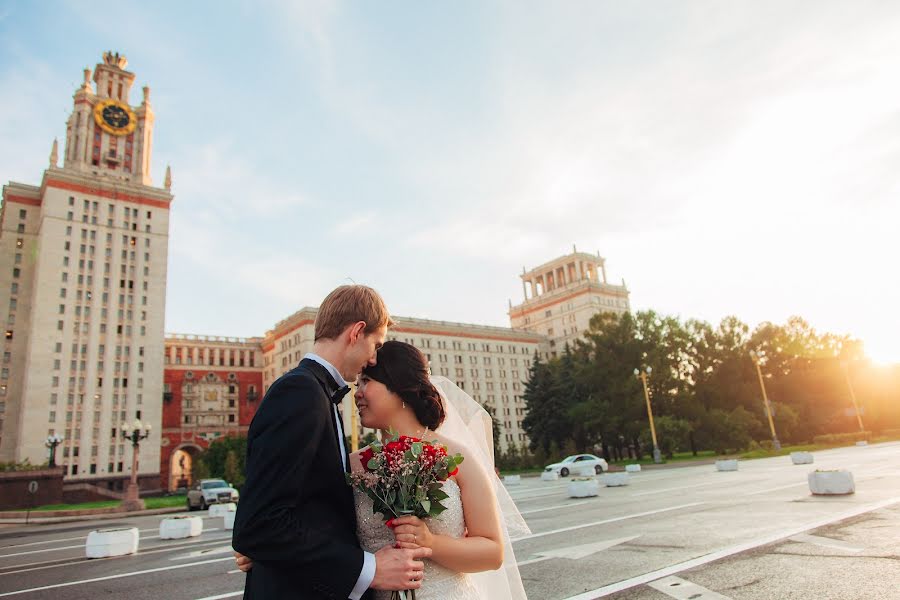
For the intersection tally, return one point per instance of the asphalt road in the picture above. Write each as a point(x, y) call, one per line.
point(688, 532)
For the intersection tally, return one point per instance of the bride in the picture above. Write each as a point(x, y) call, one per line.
point(472, 557)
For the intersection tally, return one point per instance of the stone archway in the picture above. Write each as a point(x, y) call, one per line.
point(181, 466)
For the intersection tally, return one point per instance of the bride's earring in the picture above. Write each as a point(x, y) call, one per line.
point(404, 405)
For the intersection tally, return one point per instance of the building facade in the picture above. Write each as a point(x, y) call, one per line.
point(491, 363)
point(83, 260)
point(212, 388)
point(562, 295)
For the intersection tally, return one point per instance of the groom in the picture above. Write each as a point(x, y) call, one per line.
point(296, 519)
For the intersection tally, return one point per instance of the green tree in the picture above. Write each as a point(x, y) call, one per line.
point(216, 455)
point(547, 417)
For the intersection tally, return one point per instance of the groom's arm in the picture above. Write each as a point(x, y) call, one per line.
point(282, 444)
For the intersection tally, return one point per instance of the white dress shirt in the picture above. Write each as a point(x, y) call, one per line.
point(368, 569)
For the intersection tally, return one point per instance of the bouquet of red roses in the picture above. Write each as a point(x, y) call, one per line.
point(403, 477)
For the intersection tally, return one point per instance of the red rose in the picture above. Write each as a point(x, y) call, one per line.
point(365, 456)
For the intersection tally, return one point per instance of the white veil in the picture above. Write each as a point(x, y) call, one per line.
point(468, 423)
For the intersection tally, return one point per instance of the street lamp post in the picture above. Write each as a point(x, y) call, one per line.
point(846, 368)
point(642, 375)
point(52, 442)
point(762, 386)
point(135, 432)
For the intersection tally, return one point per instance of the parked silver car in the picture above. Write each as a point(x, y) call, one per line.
point(210, 491)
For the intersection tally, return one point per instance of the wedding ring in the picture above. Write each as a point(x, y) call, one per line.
point(415, 538)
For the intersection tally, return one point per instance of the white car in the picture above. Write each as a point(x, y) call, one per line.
point(576, 463)
point(210, 491)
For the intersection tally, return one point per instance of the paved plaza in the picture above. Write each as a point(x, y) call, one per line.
point(685, 532)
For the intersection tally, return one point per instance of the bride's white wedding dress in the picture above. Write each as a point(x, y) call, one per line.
point(439, 583)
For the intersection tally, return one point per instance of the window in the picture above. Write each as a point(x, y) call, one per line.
point(22, 213)
point(9, 334)
point(16, 272)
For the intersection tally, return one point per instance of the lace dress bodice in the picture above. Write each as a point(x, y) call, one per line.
point(439, 583)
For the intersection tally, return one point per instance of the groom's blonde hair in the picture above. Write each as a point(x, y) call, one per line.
point(347, 305)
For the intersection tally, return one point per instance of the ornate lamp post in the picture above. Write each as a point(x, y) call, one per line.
point(762, 385)
point(52, 442)
point(642, 375)
point(135, 432)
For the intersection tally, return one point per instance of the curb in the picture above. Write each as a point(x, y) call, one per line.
point(31, 520)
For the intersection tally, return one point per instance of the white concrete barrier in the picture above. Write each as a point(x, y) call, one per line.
point(802, 458)
point(583, 488)
point(727, 465)
point(615, 479)
point(831, 483)
point(585, 471)
point(176, 528)
point(549, 476)
point(103, 543)
point(862, 443)
point(229, 519)
point(633, 468)
point(512, 479)
point(220, 510)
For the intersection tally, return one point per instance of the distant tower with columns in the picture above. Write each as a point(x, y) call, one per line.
point(562, 295)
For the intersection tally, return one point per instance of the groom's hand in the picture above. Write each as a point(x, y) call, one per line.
point(399, 569)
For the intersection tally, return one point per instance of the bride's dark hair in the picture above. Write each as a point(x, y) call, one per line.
point(402, 368)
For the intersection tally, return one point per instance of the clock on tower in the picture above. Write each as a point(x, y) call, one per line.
point(106, 136)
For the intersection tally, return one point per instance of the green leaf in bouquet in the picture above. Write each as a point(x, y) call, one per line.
point(416, 449)
point(426, 505)
point(372, 464)
point(436, 509)
point(439, 494)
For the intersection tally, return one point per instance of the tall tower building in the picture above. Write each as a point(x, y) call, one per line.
point(83, 261)
point(562, 295)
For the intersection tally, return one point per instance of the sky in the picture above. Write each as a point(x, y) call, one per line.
point(726, 158)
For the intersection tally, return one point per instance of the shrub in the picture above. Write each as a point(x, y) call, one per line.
point(25, 465)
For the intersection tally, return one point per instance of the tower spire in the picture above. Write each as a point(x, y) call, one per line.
point(168, 181)
point(54, 154)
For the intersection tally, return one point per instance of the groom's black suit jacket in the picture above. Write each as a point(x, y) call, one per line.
point(296, 517)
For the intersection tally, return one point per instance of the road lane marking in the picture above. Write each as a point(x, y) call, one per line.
point(109, 577)
point(50, 564)
point(576, 552)
point(143, 537)
point(730, 551)
point(682, 589)
point(221, 596)
point(58, 549)
point(825, 542)
point(775, 489)
point(71, 539)
point(683, 487)
point(604, 521)
point(537, 510)
point(207, 552)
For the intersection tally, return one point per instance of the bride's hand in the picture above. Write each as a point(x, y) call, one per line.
point(411, 532)
point(243, 562)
